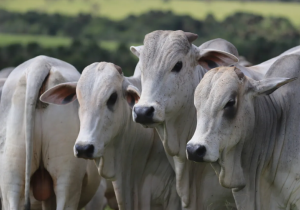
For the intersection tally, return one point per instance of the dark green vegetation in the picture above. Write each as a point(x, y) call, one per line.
point(258, 38)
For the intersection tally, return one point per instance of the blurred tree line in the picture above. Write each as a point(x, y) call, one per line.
point(256, 37)
point(79, 54)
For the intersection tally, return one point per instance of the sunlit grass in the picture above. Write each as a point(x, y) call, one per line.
point(118, 9)
point(107, 208)
point(45, 41)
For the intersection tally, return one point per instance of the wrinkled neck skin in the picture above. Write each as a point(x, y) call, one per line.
point(192, 179)
point(268, 158)
point(120, 162)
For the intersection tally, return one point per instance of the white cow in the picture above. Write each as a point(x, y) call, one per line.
point(258, 71)
point(251, 133)
point(170, 72)
point(36, 141)
point(3, 76)
point(125, 152)
point(4, 73)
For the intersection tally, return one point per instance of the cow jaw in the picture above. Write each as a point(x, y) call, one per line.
point(106, 164)
point(106, 170)
point(99, 164)
point(167, 132)
point(231, 174)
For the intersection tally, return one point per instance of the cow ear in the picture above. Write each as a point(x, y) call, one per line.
point(268, 86)
point(2, 81)
point(60, 94)
point(211, 58)
point(132, 95)
point(137, 50)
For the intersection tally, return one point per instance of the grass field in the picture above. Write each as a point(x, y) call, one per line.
point(46, 41)
point(118, 9)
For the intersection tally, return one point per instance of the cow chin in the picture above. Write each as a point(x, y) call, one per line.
point(99, 164)
point(232, 175)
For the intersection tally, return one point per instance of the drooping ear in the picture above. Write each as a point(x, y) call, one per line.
point(60, 94)
point(137, 50)
point(2, 81)
point(132, 95)
point(211, 58)
point(268, 86)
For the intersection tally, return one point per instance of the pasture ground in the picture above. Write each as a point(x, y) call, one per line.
point(118, 9)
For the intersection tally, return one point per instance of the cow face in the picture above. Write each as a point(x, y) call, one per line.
point(166, 59)
point(224, 100)
point(168, 63)
point(103, 95)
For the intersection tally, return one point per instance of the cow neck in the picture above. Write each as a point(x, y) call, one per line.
point(133, 145)
point(181, 128)
point(261, 152)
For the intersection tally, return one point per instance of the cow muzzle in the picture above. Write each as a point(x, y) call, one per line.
point(84, 151)
point(195, 152)
point(143, 115)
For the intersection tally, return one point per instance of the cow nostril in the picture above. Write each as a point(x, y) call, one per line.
point(144, 115)
point(90, 149)
point(150, 111)
point(84, 151)
point(195, 152)
point(201, 151)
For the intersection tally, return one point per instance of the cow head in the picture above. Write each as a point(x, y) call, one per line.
point(224, 100)
point(104, 95)
point(168, 77)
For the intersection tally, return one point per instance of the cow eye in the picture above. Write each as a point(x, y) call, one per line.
point(230, 103)
point(177, 67)
point(112, 100)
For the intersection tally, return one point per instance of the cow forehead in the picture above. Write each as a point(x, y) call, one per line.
point(162, 46)
point(217, 84)
point(99, 78)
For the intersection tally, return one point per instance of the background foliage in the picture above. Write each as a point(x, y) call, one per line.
point(83, 39)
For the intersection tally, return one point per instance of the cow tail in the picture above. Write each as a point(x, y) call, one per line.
point(36, 75)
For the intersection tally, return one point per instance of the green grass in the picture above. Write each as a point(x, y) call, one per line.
point(118, 9)
point(46, 41)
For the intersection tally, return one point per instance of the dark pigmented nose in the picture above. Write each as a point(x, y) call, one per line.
point(195, 152)
point(84, 151)
point(144, 115)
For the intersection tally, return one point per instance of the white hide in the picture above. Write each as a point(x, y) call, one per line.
point(125, 152)
point(254, 140)
point(171, 95)
point(4, 73)
point(50, 132)
point(257, 72)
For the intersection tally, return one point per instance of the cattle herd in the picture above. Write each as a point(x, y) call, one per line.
point(192, 129)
